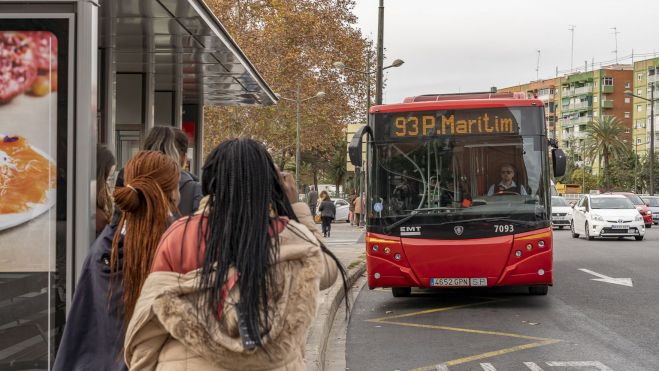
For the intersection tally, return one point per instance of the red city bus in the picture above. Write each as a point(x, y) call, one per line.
point(458, 192)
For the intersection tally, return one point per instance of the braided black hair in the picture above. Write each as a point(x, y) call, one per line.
point(245, 197)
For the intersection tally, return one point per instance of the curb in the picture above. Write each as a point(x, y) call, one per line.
point(330, 300)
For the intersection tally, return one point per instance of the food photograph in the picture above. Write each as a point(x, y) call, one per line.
point(28, 108)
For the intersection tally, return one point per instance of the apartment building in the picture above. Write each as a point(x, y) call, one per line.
point(646, 73)
point(587, 96)
point(544, 90)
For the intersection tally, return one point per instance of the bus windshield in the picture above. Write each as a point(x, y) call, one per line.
point(446, 178)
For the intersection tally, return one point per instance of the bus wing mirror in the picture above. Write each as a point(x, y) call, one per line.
point(355, 146)
point(559, 161)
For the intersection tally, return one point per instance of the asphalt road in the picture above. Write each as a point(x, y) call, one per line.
point(582, 324)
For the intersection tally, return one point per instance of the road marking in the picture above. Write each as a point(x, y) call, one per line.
point(442, 309)
point(599, 365)
point(532, 366)
point(537, 341)
point(466, 330)
point(607, 279)
point(488, 367)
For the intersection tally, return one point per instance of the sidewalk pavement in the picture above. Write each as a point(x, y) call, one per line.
point(344, 244)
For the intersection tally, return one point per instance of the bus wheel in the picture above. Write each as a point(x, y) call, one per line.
point(574, 235)
point(400, 292)
point(538, 290)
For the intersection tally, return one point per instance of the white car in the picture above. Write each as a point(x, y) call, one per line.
point(561, 212)
point(342, 210)
point(607, 216)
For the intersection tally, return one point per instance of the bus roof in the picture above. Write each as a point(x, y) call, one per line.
point(456, 102)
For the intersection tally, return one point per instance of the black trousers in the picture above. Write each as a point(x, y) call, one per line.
point(327, 224)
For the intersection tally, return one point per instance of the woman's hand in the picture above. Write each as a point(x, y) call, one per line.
point(290, 188)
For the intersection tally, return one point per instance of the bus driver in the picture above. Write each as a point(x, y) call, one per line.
point(507, 185)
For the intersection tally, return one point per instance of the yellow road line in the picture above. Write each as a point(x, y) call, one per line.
point(495, 353)
point(443, 309)
point(471, 331)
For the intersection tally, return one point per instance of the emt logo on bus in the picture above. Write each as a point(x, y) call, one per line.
point(466, 123)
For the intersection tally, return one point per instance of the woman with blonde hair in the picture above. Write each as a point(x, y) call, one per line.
point(117, 265)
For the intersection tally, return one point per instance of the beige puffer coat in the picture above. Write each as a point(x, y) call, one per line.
point(167, 332)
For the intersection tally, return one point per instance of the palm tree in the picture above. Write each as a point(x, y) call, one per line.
point(605, 137)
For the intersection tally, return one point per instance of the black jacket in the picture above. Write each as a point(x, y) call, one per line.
point(327, 209)
point(93, 336)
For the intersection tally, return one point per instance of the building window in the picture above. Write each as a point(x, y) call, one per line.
point(607, 81)
point(639, 77)
point(596, 113)
point(639, 108)
point(628, 115)
point(639, 92)
point(638, 140)
point(628, 100)
point(627, 130)
point(627, 85)
point(596, 99)
point(651, 71)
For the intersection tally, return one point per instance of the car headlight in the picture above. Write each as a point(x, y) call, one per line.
point(597, 217)
point(638, 218)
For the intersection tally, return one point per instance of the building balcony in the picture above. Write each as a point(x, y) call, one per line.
point(607, 104)
point(653, 78)
point(607, 89)
point(583, 120)
point(546, 97)
point(583, 90)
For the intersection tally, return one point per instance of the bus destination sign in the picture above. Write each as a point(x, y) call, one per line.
point(453, 123)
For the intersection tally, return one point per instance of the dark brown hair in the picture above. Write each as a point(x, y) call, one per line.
point(104, 162)
point(146, 203)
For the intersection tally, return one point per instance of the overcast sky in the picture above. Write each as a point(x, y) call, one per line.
point(470, 45)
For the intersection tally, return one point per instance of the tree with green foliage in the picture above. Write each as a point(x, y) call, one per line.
point(605, 137)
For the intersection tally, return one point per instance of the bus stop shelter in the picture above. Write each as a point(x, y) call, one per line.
point(91, 72)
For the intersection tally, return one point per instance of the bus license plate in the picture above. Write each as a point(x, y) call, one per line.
point(619, 226)
point(458, 282)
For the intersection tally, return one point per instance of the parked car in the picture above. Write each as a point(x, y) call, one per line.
point(607, 216)
point(640, 206)
point(653, 204)
point(342, 210)
point(561, 212)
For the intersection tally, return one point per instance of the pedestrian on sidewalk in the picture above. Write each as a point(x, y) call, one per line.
point(351, 207)
point(166, 140)
point(235, 286)
point(117, 265)
point(312, 200)
point(322, 196)
point(359, 209)
point(327, 214)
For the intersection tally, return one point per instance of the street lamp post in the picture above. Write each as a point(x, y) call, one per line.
point(297, 101)
point(652, 102)
point(341, 66)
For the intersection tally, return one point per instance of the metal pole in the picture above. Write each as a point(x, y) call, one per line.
point(652, 140)
point(297, 136)
point(635, 172)
point(380, 57)
point(583, 167)
point(571, 50)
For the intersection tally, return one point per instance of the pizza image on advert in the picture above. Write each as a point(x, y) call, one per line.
point(27, 181)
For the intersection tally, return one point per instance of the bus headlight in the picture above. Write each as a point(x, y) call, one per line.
point(541, 243)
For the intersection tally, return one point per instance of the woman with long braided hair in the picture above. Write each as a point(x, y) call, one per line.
point(117, 265)
point(234, 287)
